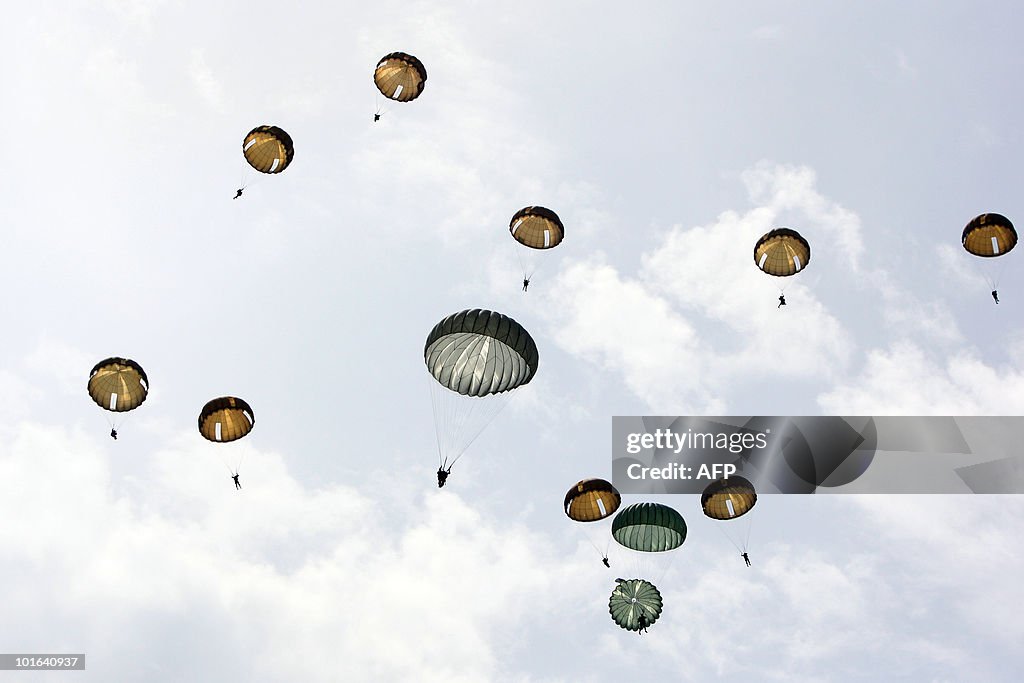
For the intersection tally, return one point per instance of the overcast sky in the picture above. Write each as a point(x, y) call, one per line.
point(668, 138)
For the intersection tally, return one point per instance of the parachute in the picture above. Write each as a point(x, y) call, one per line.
point(476, 358)
point(591, 500)
point(118, 385)
point(631, 599)
point(651, 531)
point(226, 419)
point(400, 77)
point(989, 235)
point(268, 149)
point(729, 499)
point(649, 528)
point(538, 229)
point(782, 252)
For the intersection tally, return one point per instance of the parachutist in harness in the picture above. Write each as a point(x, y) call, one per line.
point(526, 283)
point(238, 193)
point(442, 476)
point(113, 434)
point(376, 118)
point(642, 624)
point(238, 485)
point(782, 301)
point(746, 558)
point(605, 560)
point(995, 295)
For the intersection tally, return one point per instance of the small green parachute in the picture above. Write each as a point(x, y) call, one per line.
point(649, 528)
point(631, 599)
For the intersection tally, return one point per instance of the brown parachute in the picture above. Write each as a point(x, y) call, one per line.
point(591, 500)
point(226, 419)
point(400, 77)
point(782, 252)
point(989, 235)
point(268, 149)
point(118, 384)
point(537, 227)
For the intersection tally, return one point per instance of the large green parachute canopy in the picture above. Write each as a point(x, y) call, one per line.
point(632, 598)
point(537, 227)
point(268, 149)
point(400, 77)
point(226, 419)
point(782, 252)
point(989, 235)
point(478, 353)
point(591, 500)
point(649, 528)
point(728, 498)
point(118, 384)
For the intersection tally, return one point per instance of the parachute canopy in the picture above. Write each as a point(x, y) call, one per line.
point(268, 149)
point(989, 234)
point(537, 227)
point(591, 500)
point(118, 384)
point(226, 419)
point(400, 77)
point(478, 352)
point(649, 528)
point(630, 599)
point(782, 252)
point(728, 498)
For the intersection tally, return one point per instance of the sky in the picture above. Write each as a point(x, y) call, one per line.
point(668, 137)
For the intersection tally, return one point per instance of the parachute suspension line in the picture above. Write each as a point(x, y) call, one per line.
point(746, 540)
point(459, 420)
point(671, 561)
point(730, 538)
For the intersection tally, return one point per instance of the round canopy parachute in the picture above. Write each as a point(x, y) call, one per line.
point(478, 352)
point(782, 252)
point(118, 384)
point(226, 419)
point(649, 528)
point(989, 235)
point(591, 500)
point(400, 77)
point(728, 498)
point(268, 149)
point(537, 227)
point(632, 598)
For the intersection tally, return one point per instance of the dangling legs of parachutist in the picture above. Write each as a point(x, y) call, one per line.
point(605, 560)
point(113, 434)
point(238, 485)
point(238, 193)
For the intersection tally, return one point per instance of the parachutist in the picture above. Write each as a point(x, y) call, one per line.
point(238, 193)
point(642, 624)
point(526, 283)
point(605, 560)
point(995, 295)
point(442, 476)
point(238, 486)
point(376, 118)
point(746, 558)
point(782, 301)
point(113, 434)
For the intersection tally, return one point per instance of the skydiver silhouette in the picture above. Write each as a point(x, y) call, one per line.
point(642, 624)
point(526, 283)
point(113, 434)
point(995, 295)
point(605, 560)
point(746, 558)
point(376, 118)
point(238, 485)
point(238, 193)
point(442, 476)
point(782, 301)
